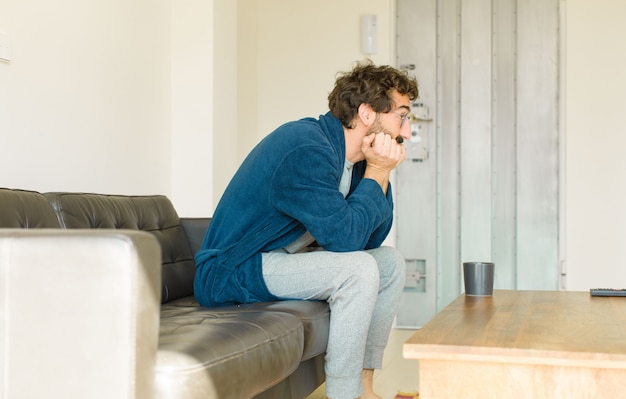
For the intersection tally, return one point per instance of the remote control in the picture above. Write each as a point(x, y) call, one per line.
point(607, 291)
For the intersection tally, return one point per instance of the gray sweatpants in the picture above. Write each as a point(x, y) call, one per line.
point(362, 288)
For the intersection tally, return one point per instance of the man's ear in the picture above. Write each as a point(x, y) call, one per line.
point(366, 114)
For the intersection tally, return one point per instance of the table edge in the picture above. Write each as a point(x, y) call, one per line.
point(513, 355)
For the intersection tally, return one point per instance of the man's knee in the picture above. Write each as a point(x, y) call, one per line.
point(363, 272)
point(390, 262)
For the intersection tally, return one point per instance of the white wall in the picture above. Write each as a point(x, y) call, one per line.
point(226, 115)
point(291, 51)
point(111, 96)
point(595, 142)
point(192, 106)
point(84, 103)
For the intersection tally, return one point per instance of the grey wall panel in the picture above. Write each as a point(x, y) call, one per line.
point(537, 137)
point(476, 130)
point(504, 146)
point(416, 177)
point(488, 72)
point(448, 127)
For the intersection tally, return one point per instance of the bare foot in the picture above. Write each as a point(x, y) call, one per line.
point(367, 377)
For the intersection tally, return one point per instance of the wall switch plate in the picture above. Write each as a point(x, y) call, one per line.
point(5, 48)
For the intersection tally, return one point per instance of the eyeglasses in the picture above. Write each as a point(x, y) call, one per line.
point(403, 117)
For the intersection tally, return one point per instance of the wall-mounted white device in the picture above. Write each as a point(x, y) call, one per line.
point(369, 36)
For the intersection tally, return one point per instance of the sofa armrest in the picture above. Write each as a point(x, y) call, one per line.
point(195, 229)
point(79, 313)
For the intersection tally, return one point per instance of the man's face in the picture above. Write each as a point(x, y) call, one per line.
point(395, 122)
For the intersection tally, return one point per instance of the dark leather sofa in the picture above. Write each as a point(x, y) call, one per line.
point(102, 286)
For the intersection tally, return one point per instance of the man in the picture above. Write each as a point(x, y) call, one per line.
point(305, 215)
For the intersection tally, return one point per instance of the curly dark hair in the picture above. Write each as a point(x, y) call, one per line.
point(368, 84)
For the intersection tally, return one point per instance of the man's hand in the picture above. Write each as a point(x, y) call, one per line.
point(383, 154)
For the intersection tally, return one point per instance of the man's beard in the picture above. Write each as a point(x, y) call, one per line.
point(377, 127)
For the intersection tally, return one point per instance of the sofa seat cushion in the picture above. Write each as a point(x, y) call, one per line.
point(224, 352)
point(314, 316)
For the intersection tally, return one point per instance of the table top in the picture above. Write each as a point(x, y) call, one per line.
point(547, 327)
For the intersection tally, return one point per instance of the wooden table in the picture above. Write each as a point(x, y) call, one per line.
point(523, 344)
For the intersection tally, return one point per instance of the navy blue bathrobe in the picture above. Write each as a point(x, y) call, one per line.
point(288, 184)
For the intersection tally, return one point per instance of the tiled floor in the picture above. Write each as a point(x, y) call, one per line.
point(397, 374)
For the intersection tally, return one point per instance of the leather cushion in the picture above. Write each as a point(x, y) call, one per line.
point(224, 352)
point(314, 316)
point(154, 214)
point(25, 209)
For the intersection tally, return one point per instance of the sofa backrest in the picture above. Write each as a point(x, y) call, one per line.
point(25, 209)
point(154, 214)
